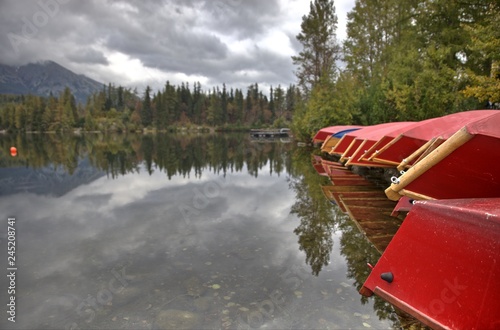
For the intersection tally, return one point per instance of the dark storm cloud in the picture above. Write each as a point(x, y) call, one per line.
point(244, 19)
point(190, 37)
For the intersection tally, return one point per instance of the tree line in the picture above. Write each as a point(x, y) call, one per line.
point(122, 109)
point(402, 60)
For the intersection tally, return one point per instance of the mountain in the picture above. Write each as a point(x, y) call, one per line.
point(49, 180)
point(44, 77)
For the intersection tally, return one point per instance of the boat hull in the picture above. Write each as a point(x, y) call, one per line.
point(408, 142)
point(465, 166)
point(444, 265)
point(339, 131)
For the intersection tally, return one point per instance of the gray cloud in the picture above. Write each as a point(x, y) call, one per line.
point(190, 37)
point(245, 19)
point(88, 56)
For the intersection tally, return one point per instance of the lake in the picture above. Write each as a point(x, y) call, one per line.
point(207, 231)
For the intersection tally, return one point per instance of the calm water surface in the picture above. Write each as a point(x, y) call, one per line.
point(178, 231)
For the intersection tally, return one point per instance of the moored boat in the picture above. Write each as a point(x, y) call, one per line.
point(405, 144)
point(442, 265)
point(465, 166)
point(361, 145)
point(338, 130)
point(344, 144)
point(333, 139)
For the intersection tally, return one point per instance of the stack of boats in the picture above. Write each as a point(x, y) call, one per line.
point(438, 223)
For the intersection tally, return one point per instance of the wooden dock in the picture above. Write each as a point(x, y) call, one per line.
point(269, 133)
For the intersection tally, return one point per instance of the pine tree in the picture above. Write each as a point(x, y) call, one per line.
point(120, 102)
point(147, 110)
point(223, 104)
point(279, 101)
point(108, 104)
point(197, 103)
point(239, 106)
point(272, 107)
point(320, 47)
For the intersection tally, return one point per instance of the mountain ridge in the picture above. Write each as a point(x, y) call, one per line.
point(45, 77)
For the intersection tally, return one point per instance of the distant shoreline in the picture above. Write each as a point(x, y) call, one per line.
point(200, 129)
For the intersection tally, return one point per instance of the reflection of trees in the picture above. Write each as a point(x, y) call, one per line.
point(358, 251)
point(317, 216)
point(169, 153)
point(112, 153)
point(35, 150)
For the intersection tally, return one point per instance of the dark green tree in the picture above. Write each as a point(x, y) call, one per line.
point(147, 110)
point(320, 48)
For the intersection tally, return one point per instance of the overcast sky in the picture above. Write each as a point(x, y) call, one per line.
point(134, 42)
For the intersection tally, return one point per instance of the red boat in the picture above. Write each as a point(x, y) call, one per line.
point(332, 140)
point(404, 205)
point(364, 141)
point(408, 142)
point(442, 266)
point(345, 142)
point(465, 166)
point(326, 132)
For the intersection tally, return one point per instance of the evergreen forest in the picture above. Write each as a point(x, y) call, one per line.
point(404, 60)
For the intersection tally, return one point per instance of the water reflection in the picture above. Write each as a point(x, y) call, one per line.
point(121, 154)
point(162, 231)
point(319, 217)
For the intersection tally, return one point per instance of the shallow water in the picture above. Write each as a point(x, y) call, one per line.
point(170, 231)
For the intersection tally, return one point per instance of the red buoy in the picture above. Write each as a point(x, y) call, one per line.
point(13, 151)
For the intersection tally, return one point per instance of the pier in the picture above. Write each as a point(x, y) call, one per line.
point(270, 133)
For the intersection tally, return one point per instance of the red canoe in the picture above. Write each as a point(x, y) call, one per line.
point(332, 140)
point(408, 142)
point(442, 265)
point(363, 142)
point(345, 142)
point(326, 132)
point(465, 166)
